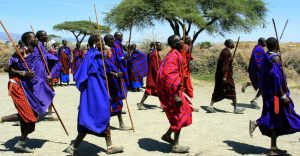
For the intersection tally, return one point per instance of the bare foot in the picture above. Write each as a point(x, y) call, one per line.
point(114, 150)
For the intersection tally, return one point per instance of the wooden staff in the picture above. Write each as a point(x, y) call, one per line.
point(16, 48)
point(155, 50)
point(49, 73)
point(237, 44)
point(279, 52)
point(284, 28)
point(101, 48)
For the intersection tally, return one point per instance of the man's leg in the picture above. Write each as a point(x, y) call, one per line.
point(10, 118)
point(210, 108)
point(245, 86)
point(50, 114)
point(176, 148)
point(121, 123)
point(237, 110)
point(110, 148)
point(167, 137)
point(252, 126)
point(74, 145)
point(141, 104)
point(253, 102)
point(26, 128)
point(274, 149)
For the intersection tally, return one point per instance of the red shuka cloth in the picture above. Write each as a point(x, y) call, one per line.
point(187, 57)
point(19, 98)
point(65, 62)
point(169, 79)
point(153, 65)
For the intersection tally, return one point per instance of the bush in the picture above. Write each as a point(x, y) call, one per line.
point(205, 45)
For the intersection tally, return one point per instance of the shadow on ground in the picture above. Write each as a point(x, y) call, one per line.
point(31, 143)
point(149, 144)
point(242, 148)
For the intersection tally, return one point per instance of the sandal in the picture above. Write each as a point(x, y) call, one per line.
point(180, 149)
point(114, 150)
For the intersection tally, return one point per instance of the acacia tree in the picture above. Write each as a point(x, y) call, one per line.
point(78, 28)
point(212, 16)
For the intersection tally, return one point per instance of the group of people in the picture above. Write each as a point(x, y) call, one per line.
point(106, 71)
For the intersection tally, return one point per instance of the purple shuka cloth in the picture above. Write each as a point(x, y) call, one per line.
point(255, 63)
point(287, 121)
point(94, 108)
point(139, 67)
point(37, 91)
point(122, 63)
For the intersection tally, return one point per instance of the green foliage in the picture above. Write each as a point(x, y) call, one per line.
point(205, 45)
point(52, 36)
point(213, 16)
point(78, 28)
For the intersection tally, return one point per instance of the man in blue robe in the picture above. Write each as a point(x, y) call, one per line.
point(29, 91)
point(51, 62)
point(255, 63)
point(278, 115)
point(94, 107)
point(117, 84)
point(138, 66)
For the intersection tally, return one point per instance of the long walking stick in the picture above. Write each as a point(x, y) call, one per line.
point(287, 21)
point(282, 72)
point(16, 48)
point(101, 48)
point(237, 44)
point(49, 73)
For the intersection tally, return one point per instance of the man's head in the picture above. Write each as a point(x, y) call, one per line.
point(229, 43)
point(109, 40)
point(262, 41)
point(29, 39)
point(151, 45)
point(64, 42)
point(175, 42)
point(42, 36)
point(133, 46)
point(118, 36)
point(188, 40)
point(272, 44)
point(158, 46)
point(94, 41)
point(78, 45)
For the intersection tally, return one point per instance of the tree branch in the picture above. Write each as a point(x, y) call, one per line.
point(201, 29)
point(176, 27)
point(171, 24)
point(189, 28)
point(84, 34)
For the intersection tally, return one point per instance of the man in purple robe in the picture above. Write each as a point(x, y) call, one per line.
point(139, 67)
point(255, 63)
point(117, 85)
point(52, 63)
point(55, 66)
point(28, 89)
point(65, 61)
point(94, 107)
point(278, 115)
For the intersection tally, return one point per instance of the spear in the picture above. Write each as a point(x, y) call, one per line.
point(237, 44)
point(155, 50)
point(49, 73)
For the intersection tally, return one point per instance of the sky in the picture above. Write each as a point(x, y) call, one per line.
point(19, 15)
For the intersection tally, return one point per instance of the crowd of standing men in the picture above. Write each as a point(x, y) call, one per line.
point(108, 69)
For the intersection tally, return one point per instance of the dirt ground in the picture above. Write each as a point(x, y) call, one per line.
point(219, 134)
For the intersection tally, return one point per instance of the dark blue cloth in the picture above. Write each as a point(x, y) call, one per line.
point(287, 121)
point(121, 61)
point(139, 68)
point(94, 107)
point(255, 63)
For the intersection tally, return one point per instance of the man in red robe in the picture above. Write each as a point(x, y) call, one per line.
point(224, 82)
point(170, 90)
point(153, 65)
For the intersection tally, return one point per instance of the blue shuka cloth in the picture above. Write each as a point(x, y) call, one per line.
point(287, 121)
point(255, 63)
point(139, 68)
point(37, 91)
point(94, 107)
